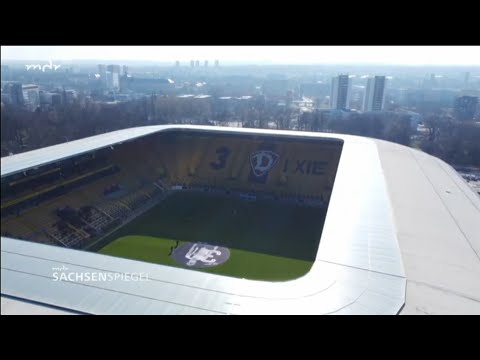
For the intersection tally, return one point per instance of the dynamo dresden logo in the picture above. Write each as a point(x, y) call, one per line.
point(200, 255)
point(263, 161)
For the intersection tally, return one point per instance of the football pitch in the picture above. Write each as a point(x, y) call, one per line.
point(261, 240)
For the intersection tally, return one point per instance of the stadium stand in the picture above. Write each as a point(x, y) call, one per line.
point(75, 201)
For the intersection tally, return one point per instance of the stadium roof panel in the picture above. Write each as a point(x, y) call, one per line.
point(393, 238)
point(14, 306)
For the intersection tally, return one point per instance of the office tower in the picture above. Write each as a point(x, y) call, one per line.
point(374, 97)
point(341, 91)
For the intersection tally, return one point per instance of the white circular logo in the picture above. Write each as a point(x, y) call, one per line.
point(200, 255)
point(263, 161)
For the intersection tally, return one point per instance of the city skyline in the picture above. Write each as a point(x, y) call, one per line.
point(274, 55)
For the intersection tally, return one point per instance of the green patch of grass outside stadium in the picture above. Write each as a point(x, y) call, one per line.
point(243, 264)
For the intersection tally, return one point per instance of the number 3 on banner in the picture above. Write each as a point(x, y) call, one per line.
point(222, 156)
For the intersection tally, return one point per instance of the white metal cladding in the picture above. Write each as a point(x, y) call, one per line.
point(358, 268)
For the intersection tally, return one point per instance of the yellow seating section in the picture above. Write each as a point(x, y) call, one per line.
point(150, 164)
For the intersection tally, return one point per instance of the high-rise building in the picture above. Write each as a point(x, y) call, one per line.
point(192, 63)
point(217, 64)
point(114, 68)
point(177, 63)
point(341, 91)
point(112, 77)
point(101, 69)
point(112, 80)
point(374, 97)
point(465, 107)
point(56, 99)
point(205, 63)
point(31, 96)
point(197, 63)
point(16, 93)
point(70, 96)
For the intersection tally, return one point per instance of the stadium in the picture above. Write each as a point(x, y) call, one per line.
point(238, 221)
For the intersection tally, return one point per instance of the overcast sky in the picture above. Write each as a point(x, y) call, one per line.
point(401, 55)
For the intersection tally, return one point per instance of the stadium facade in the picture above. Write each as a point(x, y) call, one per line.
point(400, 233)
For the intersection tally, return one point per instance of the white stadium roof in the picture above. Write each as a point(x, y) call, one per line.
point(401, 236)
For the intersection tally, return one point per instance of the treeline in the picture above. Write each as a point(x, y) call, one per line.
point(22, 130)
point(387, 126)
point(455, 142)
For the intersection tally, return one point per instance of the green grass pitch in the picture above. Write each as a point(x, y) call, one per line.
point(267, 240)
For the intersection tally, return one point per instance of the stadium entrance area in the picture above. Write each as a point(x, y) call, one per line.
point(227, 235)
